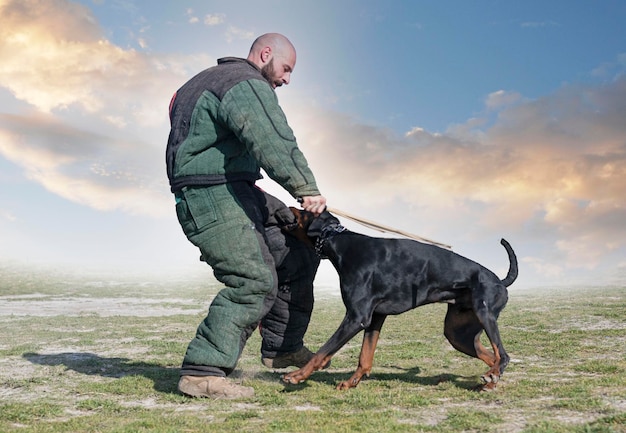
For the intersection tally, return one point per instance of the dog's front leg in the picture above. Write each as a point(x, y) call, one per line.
point(366, 358)
point(348, 328)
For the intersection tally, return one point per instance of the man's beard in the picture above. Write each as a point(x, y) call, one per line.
point(269, 73)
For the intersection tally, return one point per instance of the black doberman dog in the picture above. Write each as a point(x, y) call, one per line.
point(379, 277)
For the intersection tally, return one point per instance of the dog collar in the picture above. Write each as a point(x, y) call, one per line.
point(327, 233)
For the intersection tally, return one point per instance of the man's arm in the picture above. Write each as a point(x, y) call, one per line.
point(250, 109)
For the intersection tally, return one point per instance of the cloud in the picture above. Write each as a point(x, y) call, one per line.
point(500, 99)
point(56, 58)
point(192, 18)
point(84, 167)
point(7, 215)
point(97, 122)
point(214, 19)
point(553, 169)
point(234, 33)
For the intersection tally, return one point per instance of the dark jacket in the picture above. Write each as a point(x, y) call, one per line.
point(226, 124)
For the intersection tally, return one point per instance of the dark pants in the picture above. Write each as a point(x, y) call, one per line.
point(268, 276)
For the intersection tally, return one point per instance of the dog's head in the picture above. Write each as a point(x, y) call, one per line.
point(309, 227)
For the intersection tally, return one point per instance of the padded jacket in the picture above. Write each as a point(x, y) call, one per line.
point(226, 124)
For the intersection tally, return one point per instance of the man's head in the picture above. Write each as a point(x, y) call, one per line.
point(275, 56)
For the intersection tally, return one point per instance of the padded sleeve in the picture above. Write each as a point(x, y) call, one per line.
point(251, 111)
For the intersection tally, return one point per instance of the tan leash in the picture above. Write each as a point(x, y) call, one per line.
point(383, 229)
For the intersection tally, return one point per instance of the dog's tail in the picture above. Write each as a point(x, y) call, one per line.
point(512, 274)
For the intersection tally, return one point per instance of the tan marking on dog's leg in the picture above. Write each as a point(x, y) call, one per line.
point(366, 360)
point(492, 376)
point(483, 353)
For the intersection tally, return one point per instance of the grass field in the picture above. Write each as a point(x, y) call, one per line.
point(93, 355)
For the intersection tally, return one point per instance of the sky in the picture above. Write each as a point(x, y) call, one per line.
point(462, 122)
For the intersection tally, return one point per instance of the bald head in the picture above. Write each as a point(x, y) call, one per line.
point(275, 55)
point(275, 41)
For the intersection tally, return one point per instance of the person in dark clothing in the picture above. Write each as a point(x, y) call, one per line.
point(226, 125)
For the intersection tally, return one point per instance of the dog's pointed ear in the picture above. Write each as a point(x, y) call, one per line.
point(315, 228)
point(311, 225)
point(290, 224)
point(297, 229)
point(295, 212)
point(318, 223)
point(282, 216)
point(303, 218)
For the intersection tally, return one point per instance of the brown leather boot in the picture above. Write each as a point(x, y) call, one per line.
point(212, 387)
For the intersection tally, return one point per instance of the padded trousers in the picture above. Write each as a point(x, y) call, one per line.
point(267, 275)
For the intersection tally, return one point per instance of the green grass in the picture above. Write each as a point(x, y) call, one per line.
point(95, 371)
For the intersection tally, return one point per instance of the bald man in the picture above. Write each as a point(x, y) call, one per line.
point(226, 125)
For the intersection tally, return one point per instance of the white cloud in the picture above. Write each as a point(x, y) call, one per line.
point(214, 19)
point(234, 33)
point(7, 215)
point(552, 170)
point(101, 140)
point(543, 267)
point(55, 58)
point(500, 99)
point(87, 168)
point(192, 18)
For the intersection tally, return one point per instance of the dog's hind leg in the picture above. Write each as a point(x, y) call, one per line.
point(462, 329)
point(487, 307)
point(366, 358)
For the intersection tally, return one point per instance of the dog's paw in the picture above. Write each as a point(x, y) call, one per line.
point(288, 378)
point(490, 377)
point(295, 377)
point(347, 384)
point(343, 386)
point(490, 380)
point(487, 387)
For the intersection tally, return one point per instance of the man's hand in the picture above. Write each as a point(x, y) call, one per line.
point(314, 203)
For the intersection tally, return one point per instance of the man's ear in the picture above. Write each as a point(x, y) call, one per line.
point(266, 55)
